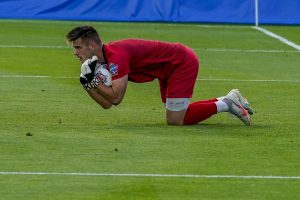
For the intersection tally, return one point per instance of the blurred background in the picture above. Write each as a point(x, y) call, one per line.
point(212, 11)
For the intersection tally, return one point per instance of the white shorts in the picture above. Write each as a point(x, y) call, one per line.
point(177, 104)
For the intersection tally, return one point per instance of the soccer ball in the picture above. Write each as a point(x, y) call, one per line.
point(103, 74)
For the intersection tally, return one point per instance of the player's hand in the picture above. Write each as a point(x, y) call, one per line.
point(83, 79)
point(87, 77)
point(89, 84)
point(88, 68)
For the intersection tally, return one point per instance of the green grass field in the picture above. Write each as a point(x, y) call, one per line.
point(49, 124)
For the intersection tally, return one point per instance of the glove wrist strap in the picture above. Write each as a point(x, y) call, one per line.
point(92, 84)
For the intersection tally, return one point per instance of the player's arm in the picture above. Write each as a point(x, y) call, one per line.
point(116, 92)
point(89, 82)
point(104, 95)
point(99, 99)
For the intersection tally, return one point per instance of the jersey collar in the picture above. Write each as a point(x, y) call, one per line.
point(104, 56)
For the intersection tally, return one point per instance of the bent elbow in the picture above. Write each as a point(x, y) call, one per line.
point(117, 101)
point(106, 106)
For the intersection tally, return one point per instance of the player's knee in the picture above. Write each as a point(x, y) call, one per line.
point(174, 122)
point(175, 117)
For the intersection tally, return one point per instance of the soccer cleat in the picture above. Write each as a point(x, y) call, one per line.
point(243, 101)
point(236, 108)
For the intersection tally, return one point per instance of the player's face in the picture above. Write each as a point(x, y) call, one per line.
point(82, 50)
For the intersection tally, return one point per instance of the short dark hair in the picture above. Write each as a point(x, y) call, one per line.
point(86, 33)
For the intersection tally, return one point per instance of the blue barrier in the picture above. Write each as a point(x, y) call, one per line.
point(210, 11)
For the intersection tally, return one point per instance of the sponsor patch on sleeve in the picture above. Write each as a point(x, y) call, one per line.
point(113, 68)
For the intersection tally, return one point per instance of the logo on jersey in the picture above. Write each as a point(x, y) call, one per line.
point(113, 68)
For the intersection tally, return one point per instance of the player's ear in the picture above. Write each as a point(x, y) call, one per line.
point(92, 45)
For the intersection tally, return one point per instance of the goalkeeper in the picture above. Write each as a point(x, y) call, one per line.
point(173, 64)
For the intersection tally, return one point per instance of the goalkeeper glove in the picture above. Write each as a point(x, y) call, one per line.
point(86, 84)
point(87, 76)
point(89, 65)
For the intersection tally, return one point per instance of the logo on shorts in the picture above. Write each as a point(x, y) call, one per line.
point(113, 68)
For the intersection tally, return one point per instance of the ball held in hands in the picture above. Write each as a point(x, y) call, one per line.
point(103, 74)
point(91, 70)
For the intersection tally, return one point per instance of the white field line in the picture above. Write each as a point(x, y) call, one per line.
point(248, 50)
point(152, 175)
point(23, 76)
point(122, 23)
point(198, 49)
point(281, 39)
point(36, 46)
point(223, 26)
point(200, 79)
point(36, 76)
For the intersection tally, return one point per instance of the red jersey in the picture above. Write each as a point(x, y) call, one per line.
point(144, 60)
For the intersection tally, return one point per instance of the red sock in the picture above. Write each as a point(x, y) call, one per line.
point(199, 111)
point(207, 101)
